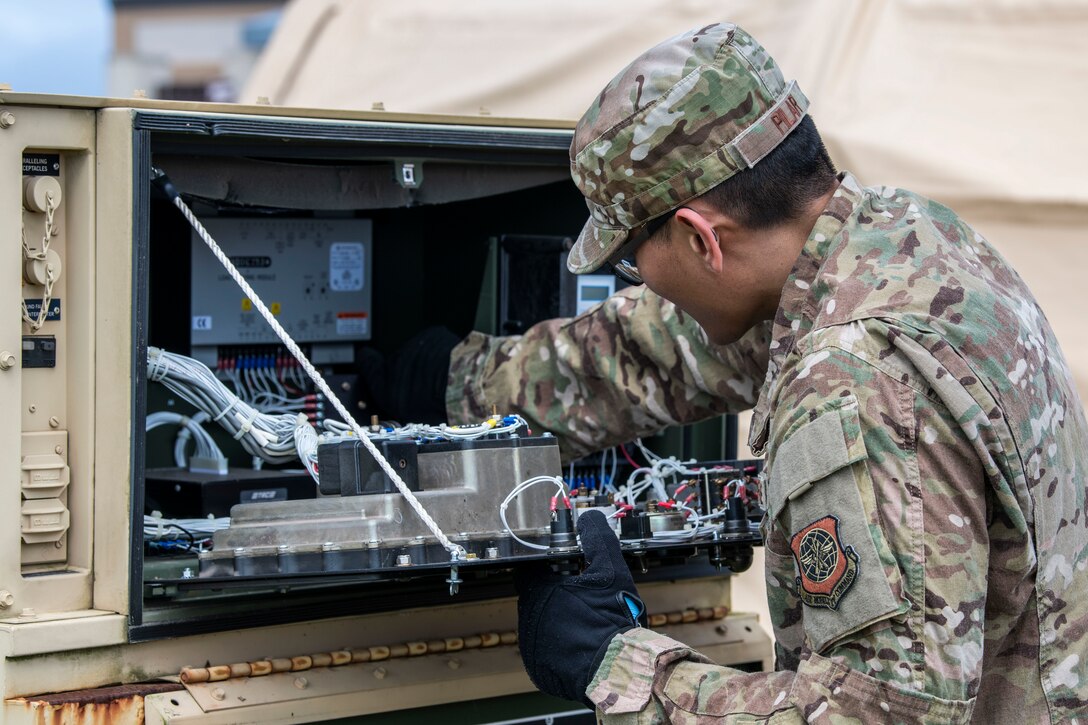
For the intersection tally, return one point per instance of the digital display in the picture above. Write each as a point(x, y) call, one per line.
point(594, 293)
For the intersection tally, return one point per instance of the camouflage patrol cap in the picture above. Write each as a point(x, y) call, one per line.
point(685, 116)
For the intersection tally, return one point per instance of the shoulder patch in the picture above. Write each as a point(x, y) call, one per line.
point(827, 569)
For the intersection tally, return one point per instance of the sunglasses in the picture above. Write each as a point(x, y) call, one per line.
point(623, 261)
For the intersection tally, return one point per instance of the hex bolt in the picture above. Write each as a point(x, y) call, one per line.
point(6, 599)
point(219, 694)
point(404, 560)
point(491, 552)
point(7, 360)
point(7, 119)
point(380, 673)
point(301, 683)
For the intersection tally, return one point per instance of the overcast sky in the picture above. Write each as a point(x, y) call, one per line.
point(56, 46)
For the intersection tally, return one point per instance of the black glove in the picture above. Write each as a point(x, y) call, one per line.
point(565, 623)
point(410, 386)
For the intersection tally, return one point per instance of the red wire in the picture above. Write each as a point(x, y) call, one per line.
point(623, 450)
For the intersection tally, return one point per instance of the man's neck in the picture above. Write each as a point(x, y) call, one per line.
point(785, 243)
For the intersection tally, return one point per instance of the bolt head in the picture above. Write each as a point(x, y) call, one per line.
point(219, 694)
point(6, 599)
point(380, 673)
point(7, 119)
point(301, 683)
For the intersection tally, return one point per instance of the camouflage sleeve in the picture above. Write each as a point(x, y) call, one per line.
point(877, 554)
point(628, 367)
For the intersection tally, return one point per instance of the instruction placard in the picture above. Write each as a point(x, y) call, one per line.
point(41, 164)
point(346, 260)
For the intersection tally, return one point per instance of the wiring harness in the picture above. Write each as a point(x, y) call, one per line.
point(268, 437)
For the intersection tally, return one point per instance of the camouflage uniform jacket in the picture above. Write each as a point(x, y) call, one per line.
point(926, 534)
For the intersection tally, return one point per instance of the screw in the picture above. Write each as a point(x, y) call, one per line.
point(54, 421)
point(6, 599)
point(7, 360)
point(7, 119)
point(218, 694)
point(402, 463)
point(345, 386)
point(33, 408)
point(301, 683)
point(380, 673)
point(454, 580)
point(453, 664)
point(58, 450)
point(721, 629)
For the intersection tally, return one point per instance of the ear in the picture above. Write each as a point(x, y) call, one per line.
point(701, 237)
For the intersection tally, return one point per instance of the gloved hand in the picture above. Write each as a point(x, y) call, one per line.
point(410, 386)
point(565, 623)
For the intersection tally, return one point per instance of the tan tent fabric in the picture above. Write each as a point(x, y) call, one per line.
point(977, 103)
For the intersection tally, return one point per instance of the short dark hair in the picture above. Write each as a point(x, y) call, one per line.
point(778, 188)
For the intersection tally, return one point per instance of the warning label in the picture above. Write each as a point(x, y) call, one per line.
point(352, 323)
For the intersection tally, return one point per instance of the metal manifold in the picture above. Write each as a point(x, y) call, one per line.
point(359, 522)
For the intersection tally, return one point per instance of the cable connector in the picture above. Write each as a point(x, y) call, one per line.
point(161, 180)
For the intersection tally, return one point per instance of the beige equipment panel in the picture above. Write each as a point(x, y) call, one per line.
point(67, 200)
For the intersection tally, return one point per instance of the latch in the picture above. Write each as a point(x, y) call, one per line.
point(409, 173)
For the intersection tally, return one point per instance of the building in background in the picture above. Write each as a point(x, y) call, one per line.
point(192, 50)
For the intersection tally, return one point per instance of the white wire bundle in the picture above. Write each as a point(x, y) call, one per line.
point(276, 403)
point(191, 428)
point(158, 528)
point(268, 437)
point(416, 431)
point(607, 484)
point(515, 492)
point(685, 534)
point(306, 443)
point(656, 477)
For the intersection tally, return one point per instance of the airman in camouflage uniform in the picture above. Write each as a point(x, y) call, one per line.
point(926, 543)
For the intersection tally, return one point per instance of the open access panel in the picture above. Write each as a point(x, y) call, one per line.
point(154, 499)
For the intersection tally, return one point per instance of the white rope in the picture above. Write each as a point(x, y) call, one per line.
point(457, 552)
